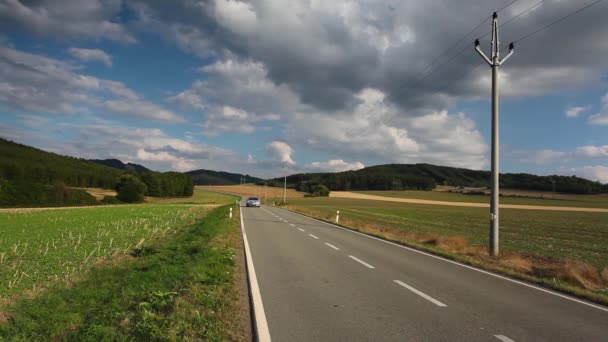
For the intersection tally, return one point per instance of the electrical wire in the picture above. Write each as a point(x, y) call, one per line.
point(516, 16)
point(556, 21)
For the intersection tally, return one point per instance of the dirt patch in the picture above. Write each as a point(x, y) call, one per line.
point(347, 194)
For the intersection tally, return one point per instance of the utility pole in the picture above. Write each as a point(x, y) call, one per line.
point(285, 190)
point(494, 62)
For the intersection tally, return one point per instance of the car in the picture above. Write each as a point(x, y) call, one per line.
point(253, 202)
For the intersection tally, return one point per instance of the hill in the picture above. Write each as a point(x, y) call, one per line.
point(117, 164)
point(208, 177)
point(30, 176)
point(427, 176)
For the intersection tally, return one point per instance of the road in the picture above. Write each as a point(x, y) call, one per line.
point(318, 282)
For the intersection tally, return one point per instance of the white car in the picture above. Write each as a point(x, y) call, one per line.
point(253, 202)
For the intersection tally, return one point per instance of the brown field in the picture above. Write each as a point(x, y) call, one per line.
point(252, 190)
point(375, 197)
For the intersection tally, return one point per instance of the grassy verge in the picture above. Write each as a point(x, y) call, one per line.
point(178, 288)
point(563, 251)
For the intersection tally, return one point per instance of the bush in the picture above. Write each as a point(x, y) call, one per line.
point(130, 189)
point(320, 190)
point(110, 200)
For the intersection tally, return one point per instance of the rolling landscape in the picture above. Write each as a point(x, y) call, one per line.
point(231, 170)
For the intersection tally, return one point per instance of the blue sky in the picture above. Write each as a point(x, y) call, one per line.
point(268, 87)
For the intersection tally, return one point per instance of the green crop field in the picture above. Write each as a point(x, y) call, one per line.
point(41, 246)
point(160, 271)
point(562, 235)
point(560, 200)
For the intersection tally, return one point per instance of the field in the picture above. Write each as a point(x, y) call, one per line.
point(527, 198)
point(146, 271)
point(541, 244)
point(254, 190)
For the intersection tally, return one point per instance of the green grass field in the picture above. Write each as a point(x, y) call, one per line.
point(562, 235)
point(561, 200)
point(85, 274)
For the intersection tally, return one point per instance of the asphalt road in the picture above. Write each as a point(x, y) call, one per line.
point(319, 282)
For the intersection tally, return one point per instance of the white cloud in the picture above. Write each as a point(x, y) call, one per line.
point(574, 112)
point(44, 85)
point(235, 97)
point(592, 151)
point(334, 165)
point(601, 118)
point(67, 18)
point(280, 151)
point(141, 109)
point(91, 55)
point(596, 173)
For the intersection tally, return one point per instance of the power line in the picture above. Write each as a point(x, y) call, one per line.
point(556, 21)
point(516, 16)
point(507, 5)
point(432, 67)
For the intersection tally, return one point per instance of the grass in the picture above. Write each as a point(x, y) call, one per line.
point(530, 239)
point(46, 245)
point(178, 288)
point(560, 200)
point(156, 271)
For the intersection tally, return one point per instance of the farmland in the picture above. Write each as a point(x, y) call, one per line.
point(59, 265)
point(254, 190)
point(519, 198)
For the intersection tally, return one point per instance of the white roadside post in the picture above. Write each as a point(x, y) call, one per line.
point(230, 212)
point(338, 216)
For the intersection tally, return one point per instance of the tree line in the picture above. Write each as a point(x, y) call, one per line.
point(427, 177)
point(22, 165)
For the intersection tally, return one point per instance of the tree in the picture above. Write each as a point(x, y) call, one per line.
point(130, 189)
point(320, 190)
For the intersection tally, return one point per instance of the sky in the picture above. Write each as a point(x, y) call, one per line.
point(272, 87)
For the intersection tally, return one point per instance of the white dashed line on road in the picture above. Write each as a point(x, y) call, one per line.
point(503, 338)
point(361, 261)
point(332, 246)
point(293, 225)
point(421, 294)
point(300, 229)
point(314, 236)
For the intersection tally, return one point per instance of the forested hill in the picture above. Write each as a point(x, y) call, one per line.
point(26, 173)
point(117, 164)
point(24, 163)
point(208, 177)
point(426, 177)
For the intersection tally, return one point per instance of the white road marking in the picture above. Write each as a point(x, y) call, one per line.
point(293, 225)
point(256, 297)
point(300, 229)
point(361, 261)
point(332, 246)
point(314, 236)
point(503, 338)
point(572, 299)
point(421, 294)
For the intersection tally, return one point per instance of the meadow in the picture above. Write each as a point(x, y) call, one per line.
point(521, 198)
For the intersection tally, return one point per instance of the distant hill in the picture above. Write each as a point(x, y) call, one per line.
point(427, 176)
point(208, 177)
point(117, 164)
point(24, 163)
point(30, 176)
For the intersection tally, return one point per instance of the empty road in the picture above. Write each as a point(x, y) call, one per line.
point(318, 282)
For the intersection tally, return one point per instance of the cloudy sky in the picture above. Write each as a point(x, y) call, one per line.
point(272, 86)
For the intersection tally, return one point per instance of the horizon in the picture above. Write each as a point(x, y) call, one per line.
point(252, 88)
